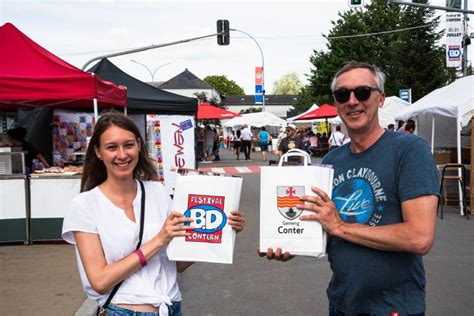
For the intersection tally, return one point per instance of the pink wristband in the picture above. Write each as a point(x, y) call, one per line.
point(141, 257)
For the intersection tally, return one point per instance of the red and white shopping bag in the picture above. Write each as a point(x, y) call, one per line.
point(207, 199)
point(280, 191)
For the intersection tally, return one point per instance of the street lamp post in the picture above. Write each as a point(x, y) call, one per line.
point(263, 61)
point(152, 74)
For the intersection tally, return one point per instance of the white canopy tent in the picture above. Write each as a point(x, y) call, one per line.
point(392, 106)
point(293, 119)
point(454, 101)
point(257, 119)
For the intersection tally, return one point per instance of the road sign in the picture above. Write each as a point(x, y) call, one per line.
point(259, 99)
point(405, 94)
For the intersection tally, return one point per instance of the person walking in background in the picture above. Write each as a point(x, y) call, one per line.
point(336, 139)
point(291, 141)
point(313, 143)
point(230, 140)
point(17, 138)
point(263, 139)
point(216, 145)
point(209, 141)
point(237, 143)
point(410, 127)
point(200, 155)
point(246, 141)
point(104, 221)
point(382, 213)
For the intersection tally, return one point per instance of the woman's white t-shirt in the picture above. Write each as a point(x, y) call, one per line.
point(93, 212)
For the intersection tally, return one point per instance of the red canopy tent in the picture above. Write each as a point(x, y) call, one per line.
point(31, 76)
point(324, 111)
point(207, 112)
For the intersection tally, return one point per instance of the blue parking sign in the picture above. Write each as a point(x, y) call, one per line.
point(405, 94)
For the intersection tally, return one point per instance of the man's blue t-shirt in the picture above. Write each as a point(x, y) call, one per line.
point(369, 188)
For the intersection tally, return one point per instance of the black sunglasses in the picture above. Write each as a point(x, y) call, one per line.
point(362, 93)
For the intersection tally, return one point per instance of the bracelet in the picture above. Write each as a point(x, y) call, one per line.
point(141, 256)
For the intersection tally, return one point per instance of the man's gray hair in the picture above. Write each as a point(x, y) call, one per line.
point(378, 74)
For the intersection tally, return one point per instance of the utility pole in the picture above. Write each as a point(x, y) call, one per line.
point(263, 66)
point(465, 39)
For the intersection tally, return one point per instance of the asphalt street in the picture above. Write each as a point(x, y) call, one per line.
point(43, 279)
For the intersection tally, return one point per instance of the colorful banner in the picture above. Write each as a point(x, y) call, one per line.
point(258, 76)
point(70, 133)
point(258, 85)
point(173, 145)
point(454, 32)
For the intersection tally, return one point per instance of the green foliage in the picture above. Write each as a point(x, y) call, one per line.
point(410, 59)
point(288, 84)
point(251, 109)
point(202, 97)
point(224, 85)
point(305, 100)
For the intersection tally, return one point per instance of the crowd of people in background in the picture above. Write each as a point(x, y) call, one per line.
point(243, 140)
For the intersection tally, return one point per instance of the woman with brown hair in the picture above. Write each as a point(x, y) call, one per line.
point(107, 219)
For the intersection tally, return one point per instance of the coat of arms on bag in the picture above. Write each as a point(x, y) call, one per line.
point(287, 199)
point(209, 218)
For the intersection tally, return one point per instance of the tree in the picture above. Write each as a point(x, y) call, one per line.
point(224, 85)
point(251, 109)
point(202, 97)
point(416, 61)
point(305, 100)
point(288, 84)
point(410, 59)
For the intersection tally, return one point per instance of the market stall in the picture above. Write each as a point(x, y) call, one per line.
point(32, 77)
point(442, 116)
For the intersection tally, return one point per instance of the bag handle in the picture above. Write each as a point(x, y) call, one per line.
point(101, 311)
point(295, 153)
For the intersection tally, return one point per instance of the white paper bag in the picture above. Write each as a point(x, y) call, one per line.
point(280, 189)
point(208, 200)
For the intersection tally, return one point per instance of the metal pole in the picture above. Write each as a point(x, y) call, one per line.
point(154, 72)
point(151, 74)
point(427, 6)
point(464, 53)
point(141, 49)
point(263, 62)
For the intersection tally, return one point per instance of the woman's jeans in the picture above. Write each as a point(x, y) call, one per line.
point(114, 310)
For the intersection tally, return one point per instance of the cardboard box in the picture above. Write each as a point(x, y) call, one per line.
point(442, 156)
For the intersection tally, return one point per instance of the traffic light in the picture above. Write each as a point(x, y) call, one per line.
point(223, 28)
point(356, 3)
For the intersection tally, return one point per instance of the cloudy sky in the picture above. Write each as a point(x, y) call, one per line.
point(79, 30)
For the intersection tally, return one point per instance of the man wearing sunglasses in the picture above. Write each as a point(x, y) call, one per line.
point(382, 214)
